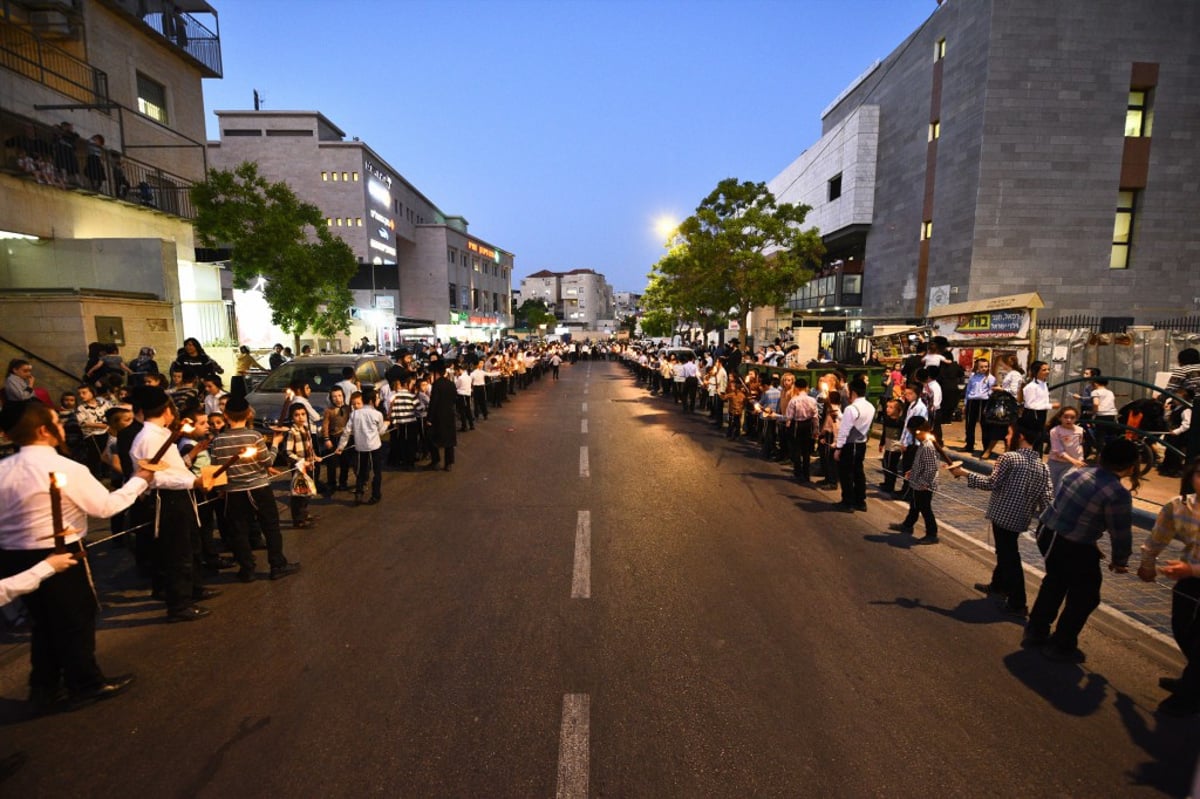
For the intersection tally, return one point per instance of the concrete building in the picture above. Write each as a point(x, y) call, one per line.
point(580, 298)
point(1007, 147)
point(626, 303)
point(101, 137)
point(411, 255)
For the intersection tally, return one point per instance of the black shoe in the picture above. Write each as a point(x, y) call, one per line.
point(446, 468)
point(1179, 706)
point(205, 593)
point(245, 575)
point(1031, 639)
point(1060, 654)
point(843, 507)
point(927, 539)
point(105, 690)
point(158, 594)
point(861, 506)
point(287, 570)
point(989, 589)
point(226, 563)
point(343, 488)
point(1171, 684)
point(901, 527)
point(1021, 612)
point(190, 613)
point(259, 544)
point(372, 501)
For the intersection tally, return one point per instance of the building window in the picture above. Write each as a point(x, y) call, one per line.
point(1139, 116)
point(464, 294)
point(1123, 230)
point(325, 176)
point(452, 255)
point(453, 296)
point(927, 230)
point(939, 49)
point(339, 221)
point(345, 176)
point(355, 174)
point(335, 175)
point(152, 98)
point(935, 130)
point(328, 222)
point(358, 221)
point(835, 186)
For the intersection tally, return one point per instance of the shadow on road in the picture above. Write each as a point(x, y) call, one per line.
point(1170, 743)
point(969, 611)
point(898, 540)
point(1066, 686)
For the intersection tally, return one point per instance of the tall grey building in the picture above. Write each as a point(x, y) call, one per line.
point(419, 268)
point(1009, 146)
point(580, 298)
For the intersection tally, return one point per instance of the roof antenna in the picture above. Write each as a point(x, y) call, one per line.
point(257, 101)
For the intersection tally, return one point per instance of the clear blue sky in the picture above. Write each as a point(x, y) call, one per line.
point(561, 129)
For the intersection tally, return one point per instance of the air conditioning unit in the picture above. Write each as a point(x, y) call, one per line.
point(51, 24)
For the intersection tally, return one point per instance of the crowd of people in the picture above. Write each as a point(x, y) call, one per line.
point(191, 483)
point(1072, 502)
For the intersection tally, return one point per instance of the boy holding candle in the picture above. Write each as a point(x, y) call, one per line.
point(248, 494)
point(63, 609)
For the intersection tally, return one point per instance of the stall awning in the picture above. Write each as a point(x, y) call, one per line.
point(1011, 302)
point(408, 323)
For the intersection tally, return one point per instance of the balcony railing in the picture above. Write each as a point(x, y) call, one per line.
point(29, 56)
point(57, 156)
point(188, 34)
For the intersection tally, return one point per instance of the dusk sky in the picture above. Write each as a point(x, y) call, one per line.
point(562, 129)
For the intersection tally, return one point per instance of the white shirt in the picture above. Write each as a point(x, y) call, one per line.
point(478, 377)
point(1012, 383)
point(1104, 402)
point(935, 395)
point(916, 409)
point(367, 425)
point(462, 384)
point(177, 476)
point(26, 521)
point(1037, 396)
point(856, 418)
point(212, 402)
point(24, 582)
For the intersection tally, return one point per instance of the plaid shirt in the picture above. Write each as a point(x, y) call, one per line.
point(924, 474)
point(1088, 502)
point(1178, 520)
point(1020, 486)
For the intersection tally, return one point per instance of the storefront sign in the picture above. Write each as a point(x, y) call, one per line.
point(485, 251)
point(992, 325)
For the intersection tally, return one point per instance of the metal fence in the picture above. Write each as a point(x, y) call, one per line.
point(1139, 353)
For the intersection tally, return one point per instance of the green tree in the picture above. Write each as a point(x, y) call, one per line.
point(740, 250)
point(533, 313)
point(275, 236)
point(657, 323)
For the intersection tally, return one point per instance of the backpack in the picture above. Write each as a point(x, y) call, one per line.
point(1001, 408)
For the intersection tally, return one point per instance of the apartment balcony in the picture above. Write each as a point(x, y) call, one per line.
point(57, 157)
point(177, 22)
point(29, 55)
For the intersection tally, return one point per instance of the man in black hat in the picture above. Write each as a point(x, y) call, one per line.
point(177, 522)
point(440, 416)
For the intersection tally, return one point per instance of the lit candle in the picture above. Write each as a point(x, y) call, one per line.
point(183, 430)
point(57, 481)
point(247, 454)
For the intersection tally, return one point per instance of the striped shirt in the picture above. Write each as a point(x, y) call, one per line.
point(244, 475)
point(404, 407)
point(1090, 501)
point(1020, 486)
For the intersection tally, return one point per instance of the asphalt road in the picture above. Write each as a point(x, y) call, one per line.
point(730, 636)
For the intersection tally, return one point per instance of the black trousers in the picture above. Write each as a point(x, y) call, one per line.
point(906, 462)
point(243, 507)
point(802, 447)
point(921, 503)
point(1072, 576)
point(435, 458)
point(972, 417)
point(852, 473)
point(462, 404)
point(1009, 575)
point(369, 462)
point(1185, 624)
point(891, 468)
point(690, 386)
point(337, 469)
point(178, 547)
point(404, 441)
point(62, 615)
point(479, 395)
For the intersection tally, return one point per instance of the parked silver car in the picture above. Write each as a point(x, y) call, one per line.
point(322, 372)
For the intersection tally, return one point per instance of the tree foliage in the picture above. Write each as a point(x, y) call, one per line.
point(533, 313)
point(657, 323)
point(276, 236)
point(739, 250)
